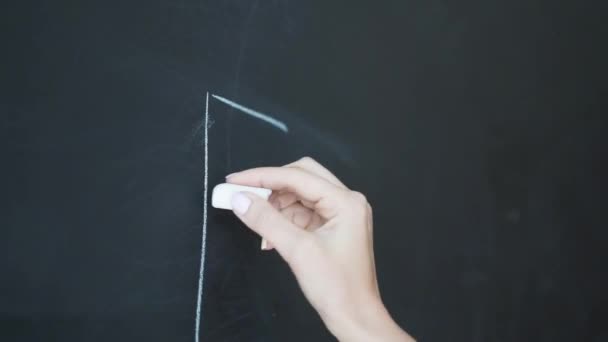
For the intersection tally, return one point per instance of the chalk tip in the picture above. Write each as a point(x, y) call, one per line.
point(264, 245)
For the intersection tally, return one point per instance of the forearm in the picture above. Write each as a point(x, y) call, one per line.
point(371, 322)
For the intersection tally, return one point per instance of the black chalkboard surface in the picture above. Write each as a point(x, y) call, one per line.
point(476, 129)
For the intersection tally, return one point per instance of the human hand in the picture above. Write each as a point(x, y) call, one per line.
point(323, 231)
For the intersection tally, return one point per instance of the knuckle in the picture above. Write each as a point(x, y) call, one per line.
point(344, 196)
point(360, 205)
point(307, 161)
point(359, 198)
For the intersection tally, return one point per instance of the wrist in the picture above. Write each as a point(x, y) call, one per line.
point(367, 321)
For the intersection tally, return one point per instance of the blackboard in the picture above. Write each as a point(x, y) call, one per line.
point(477, 131)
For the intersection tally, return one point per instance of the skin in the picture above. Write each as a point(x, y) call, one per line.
point(323, 230)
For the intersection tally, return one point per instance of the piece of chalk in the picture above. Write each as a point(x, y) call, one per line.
point(221, 197)
point(222, 194)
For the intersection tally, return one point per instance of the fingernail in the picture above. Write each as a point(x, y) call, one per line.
point(230, 175)
point(240, 203)
point(264, 245)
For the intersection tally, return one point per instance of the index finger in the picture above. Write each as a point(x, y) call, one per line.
point(325, 195)
point(312, 166)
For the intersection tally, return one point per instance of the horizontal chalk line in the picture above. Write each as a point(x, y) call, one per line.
point(264, 117)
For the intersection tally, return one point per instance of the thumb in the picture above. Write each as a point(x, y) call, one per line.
point(261, 217)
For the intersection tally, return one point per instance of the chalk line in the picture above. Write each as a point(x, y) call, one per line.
point(199, 300)
point(264, 117)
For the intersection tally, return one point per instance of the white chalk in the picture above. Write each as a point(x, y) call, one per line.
point(201, 272)
point(264, 117)
point(222, 194)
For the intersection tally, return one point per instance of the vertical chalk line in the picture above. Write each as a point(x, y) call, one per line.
point(199, 300)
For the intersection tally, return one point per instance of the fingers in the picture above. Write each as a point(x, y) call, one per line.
point(325, 196)
point(314, 167)
point(282, 200)
point(259, 215)
point(299, 215)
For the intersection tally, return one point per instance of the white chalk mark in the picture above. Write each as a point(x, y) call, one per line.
point(264, 117)
point(199, 300)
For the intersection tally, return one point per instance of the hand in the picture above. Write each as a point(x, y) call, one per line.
point(323, 231)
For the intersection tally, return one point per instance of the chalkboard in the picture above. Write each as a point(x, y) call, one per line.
point(477, 130)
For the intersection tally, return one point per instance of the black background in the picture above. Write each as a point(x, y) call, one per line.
point(475, 128)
